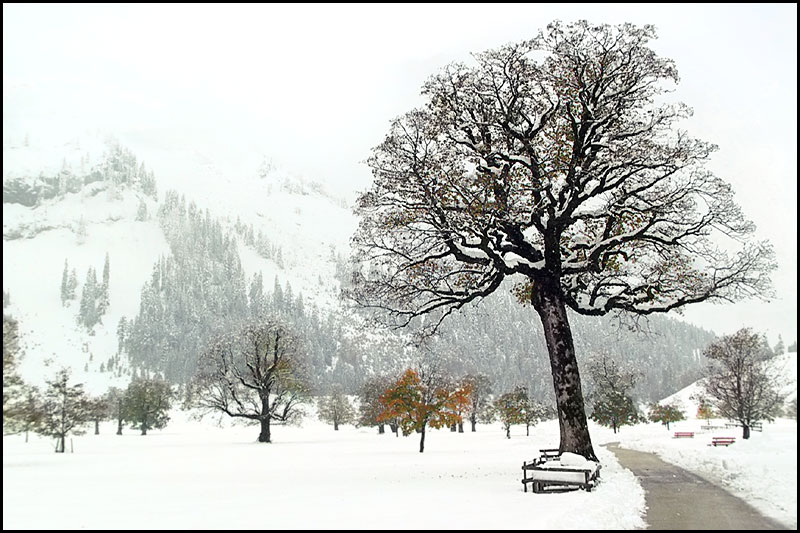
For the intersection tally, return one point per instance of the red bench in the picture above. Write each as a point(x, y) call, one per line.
point(683, 434)
point(722, 441)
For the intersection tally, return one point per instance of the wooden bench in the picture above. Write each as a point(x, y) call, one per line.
point(710, 427)
point(683, 434)
point(549, 454)
point(722, 441)
point(544, 478)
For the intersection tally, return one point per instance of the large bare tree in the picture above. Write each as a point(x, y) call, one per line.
point(256, 373)
point(550, 161)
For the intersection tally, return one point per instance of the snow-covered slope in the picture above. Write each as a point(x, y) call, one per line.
point(309, 225)
point(784, 365)
point(32, 270)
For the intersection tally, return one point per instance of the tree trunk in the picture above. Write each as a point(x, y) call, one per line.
point(549, 304)
point(393, 427)
point(508, 431)
point(422, 440)
point(461, 427)
point(119, 426)
point(96, 427)
point(745, 431)
point(472, 421)
point(144, 429)
point(614, 425)
point(336, 425)
point(527, 430)
point(61, 444)
point(452, 427)
point(381, 431)
point(264, 436)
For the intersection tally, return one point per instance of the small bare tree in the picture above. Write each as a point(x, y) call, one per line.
point(335, 408)
point(739, 381)
point(256, 373)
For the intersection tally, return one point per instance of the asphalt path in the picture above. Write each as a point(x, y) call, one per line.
point(677, 499)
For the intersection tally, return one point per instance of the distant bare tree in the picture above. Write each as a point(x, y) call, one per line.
point(739, 382)
point(256, 373)
point(335, 408)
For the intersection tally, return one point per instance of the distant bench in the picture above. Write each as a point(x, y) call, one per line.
point(684, 434)
point(755, 426)
point(722, 441)
point(709, 427)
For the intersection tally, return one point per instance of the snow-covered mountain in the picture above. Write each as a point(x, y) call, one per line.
point(308, 226)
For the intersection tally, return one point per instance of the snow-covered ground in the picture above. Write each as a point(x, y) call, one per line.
point(197, 475)
point(761, 470)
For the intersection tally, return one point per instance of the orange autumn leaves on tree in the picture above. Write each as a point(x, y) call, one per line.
point(418, 400)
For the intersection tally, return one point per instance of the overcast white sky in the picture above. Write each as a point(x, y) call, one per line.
point(315, 86)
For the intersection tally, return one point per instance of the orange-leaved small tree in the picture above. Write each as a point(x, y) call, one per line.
point(705, 410)
point(421, 399)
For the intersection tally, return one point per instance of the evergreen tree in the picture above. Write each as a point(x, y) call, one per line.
point(103, 297)
point(141, 212)
point(65, 409)
point(122, 333)
point(147, 403)
point(256, 296)
point(12, 383)
point(88, 314)
point(72, 285)
point(65, 284)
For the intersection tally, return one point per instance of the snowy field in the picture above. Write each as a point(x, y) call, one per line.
point(194, 475)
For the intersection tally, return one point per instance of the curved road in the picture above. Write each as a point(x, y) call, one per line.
point(677, 499)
